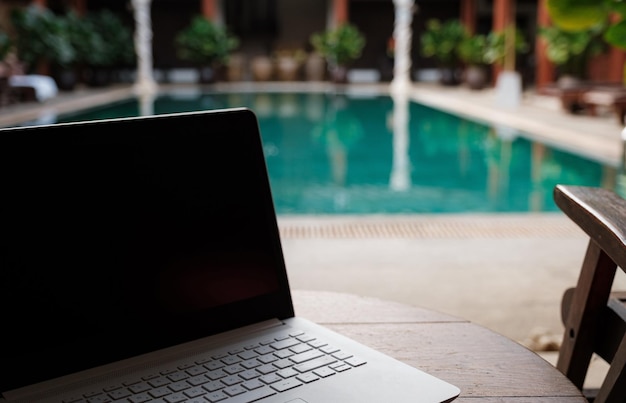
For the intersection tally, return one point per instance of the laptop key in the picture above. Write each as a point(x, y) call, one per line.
point(301, 348)
point(355, 361)
point(231, 359)
point(119, 394)
point(217, 374)
point(193, 371)
point(288, 372)
point(306, 356)
point(305, 338)
point(342, 367)
point(194, 392)
point(279, 345)
point(284, 363)
point(286, 384)
point(99, 399)
point(216, 396)
point(158, 382)
point(178, 386)
point(314, 364)
point(175, 398)
point(267, 369)
point(177, 376)
point(253, 384)
point(213, 386)
point(324, 372)
point(140, 398)
point(271, 378)
point(329, 349)
point(264, 350)
point(250, 374)
point(139, 387)
point(247, 355)
point(284, 353)
point(231, 380)
point(160, 392)
point(214, 365)
point(234, 390)
point(234, 369)
point(308, 377)
point(342, 355)
point(253, 395)
point(249, 364)
point(198, 380)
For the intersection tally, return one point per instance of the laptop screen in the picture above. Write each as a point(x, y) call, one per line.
point(127, 236)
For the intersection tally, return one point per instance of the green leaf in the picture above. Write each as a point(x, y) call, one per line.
point(441, 40)
point(577, 15)
point(204, 42)
point(616, 35)
point(339, 46)
point(619, 7)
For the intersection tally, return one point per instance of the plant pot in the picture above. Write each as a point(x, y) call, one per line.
point(339, 74)
point(476, 77)
point(207, 75)
point(98, 76)
point(287, 68)
point(65, 78)
point(449, 76)
point(567, 81)
point(262, 68)
point(235, 68)
point(314, 67)
point(509, 89)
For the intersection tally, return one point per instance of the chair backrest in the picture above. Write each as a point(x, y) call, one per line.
point(594, 318)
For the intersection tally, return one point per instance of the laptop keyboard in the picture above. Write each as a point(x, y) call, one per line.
point(241, 375)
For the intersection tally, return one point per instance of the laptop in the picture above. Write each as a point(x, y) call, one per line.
point(141, 262)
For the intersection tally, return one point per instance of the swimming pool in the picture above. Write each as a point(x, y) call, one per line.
point(340, 153)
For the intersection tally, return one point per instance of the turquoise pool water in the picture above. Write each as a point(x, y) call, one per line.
point(330, 153)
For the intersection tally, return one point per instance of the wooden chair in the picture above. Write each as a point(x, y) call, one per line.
point(594, 317)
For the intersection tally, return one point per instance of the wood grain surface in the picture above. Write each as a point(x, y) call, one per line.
point(486, 366)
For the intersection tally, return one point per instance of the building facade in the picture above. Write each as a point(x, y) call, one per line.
point(267, 26)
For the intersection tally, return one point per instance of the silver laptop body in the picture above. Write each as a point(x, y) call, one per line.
point(144, 264)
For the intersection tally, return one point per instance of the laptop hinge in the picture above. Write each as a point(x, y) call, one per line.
point(84, 378)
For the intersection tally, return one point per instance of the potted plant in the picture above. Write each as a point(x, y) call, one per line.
point(440, 41)
point(571, 51)
point(497, 52)
point(6, 44)
point(472, 51)
point(502, 48)
point(102, 42)
point(288, 63)
point(43, 38)
point(339, 47)
point(205, 44)
point(584, 15)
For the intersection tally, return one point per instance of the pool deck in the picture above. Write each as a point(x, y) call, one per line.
point(504, 271)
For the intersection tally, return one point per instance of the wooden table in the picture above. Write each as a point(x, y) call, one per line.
point(486, 366)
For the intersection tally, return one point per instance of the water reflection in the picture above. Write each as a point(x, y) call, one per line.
point(365, 153)
point(339, 131)
point(146, 103)
point(400, 178)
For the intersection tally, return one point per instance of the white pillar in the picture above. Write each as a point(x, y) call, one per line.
point(400, 178)
point(144, 83)
point(402, 34)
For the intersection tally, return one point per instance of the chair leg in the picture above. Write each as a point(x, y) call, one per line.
point(613, 389)
point(576, 350)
